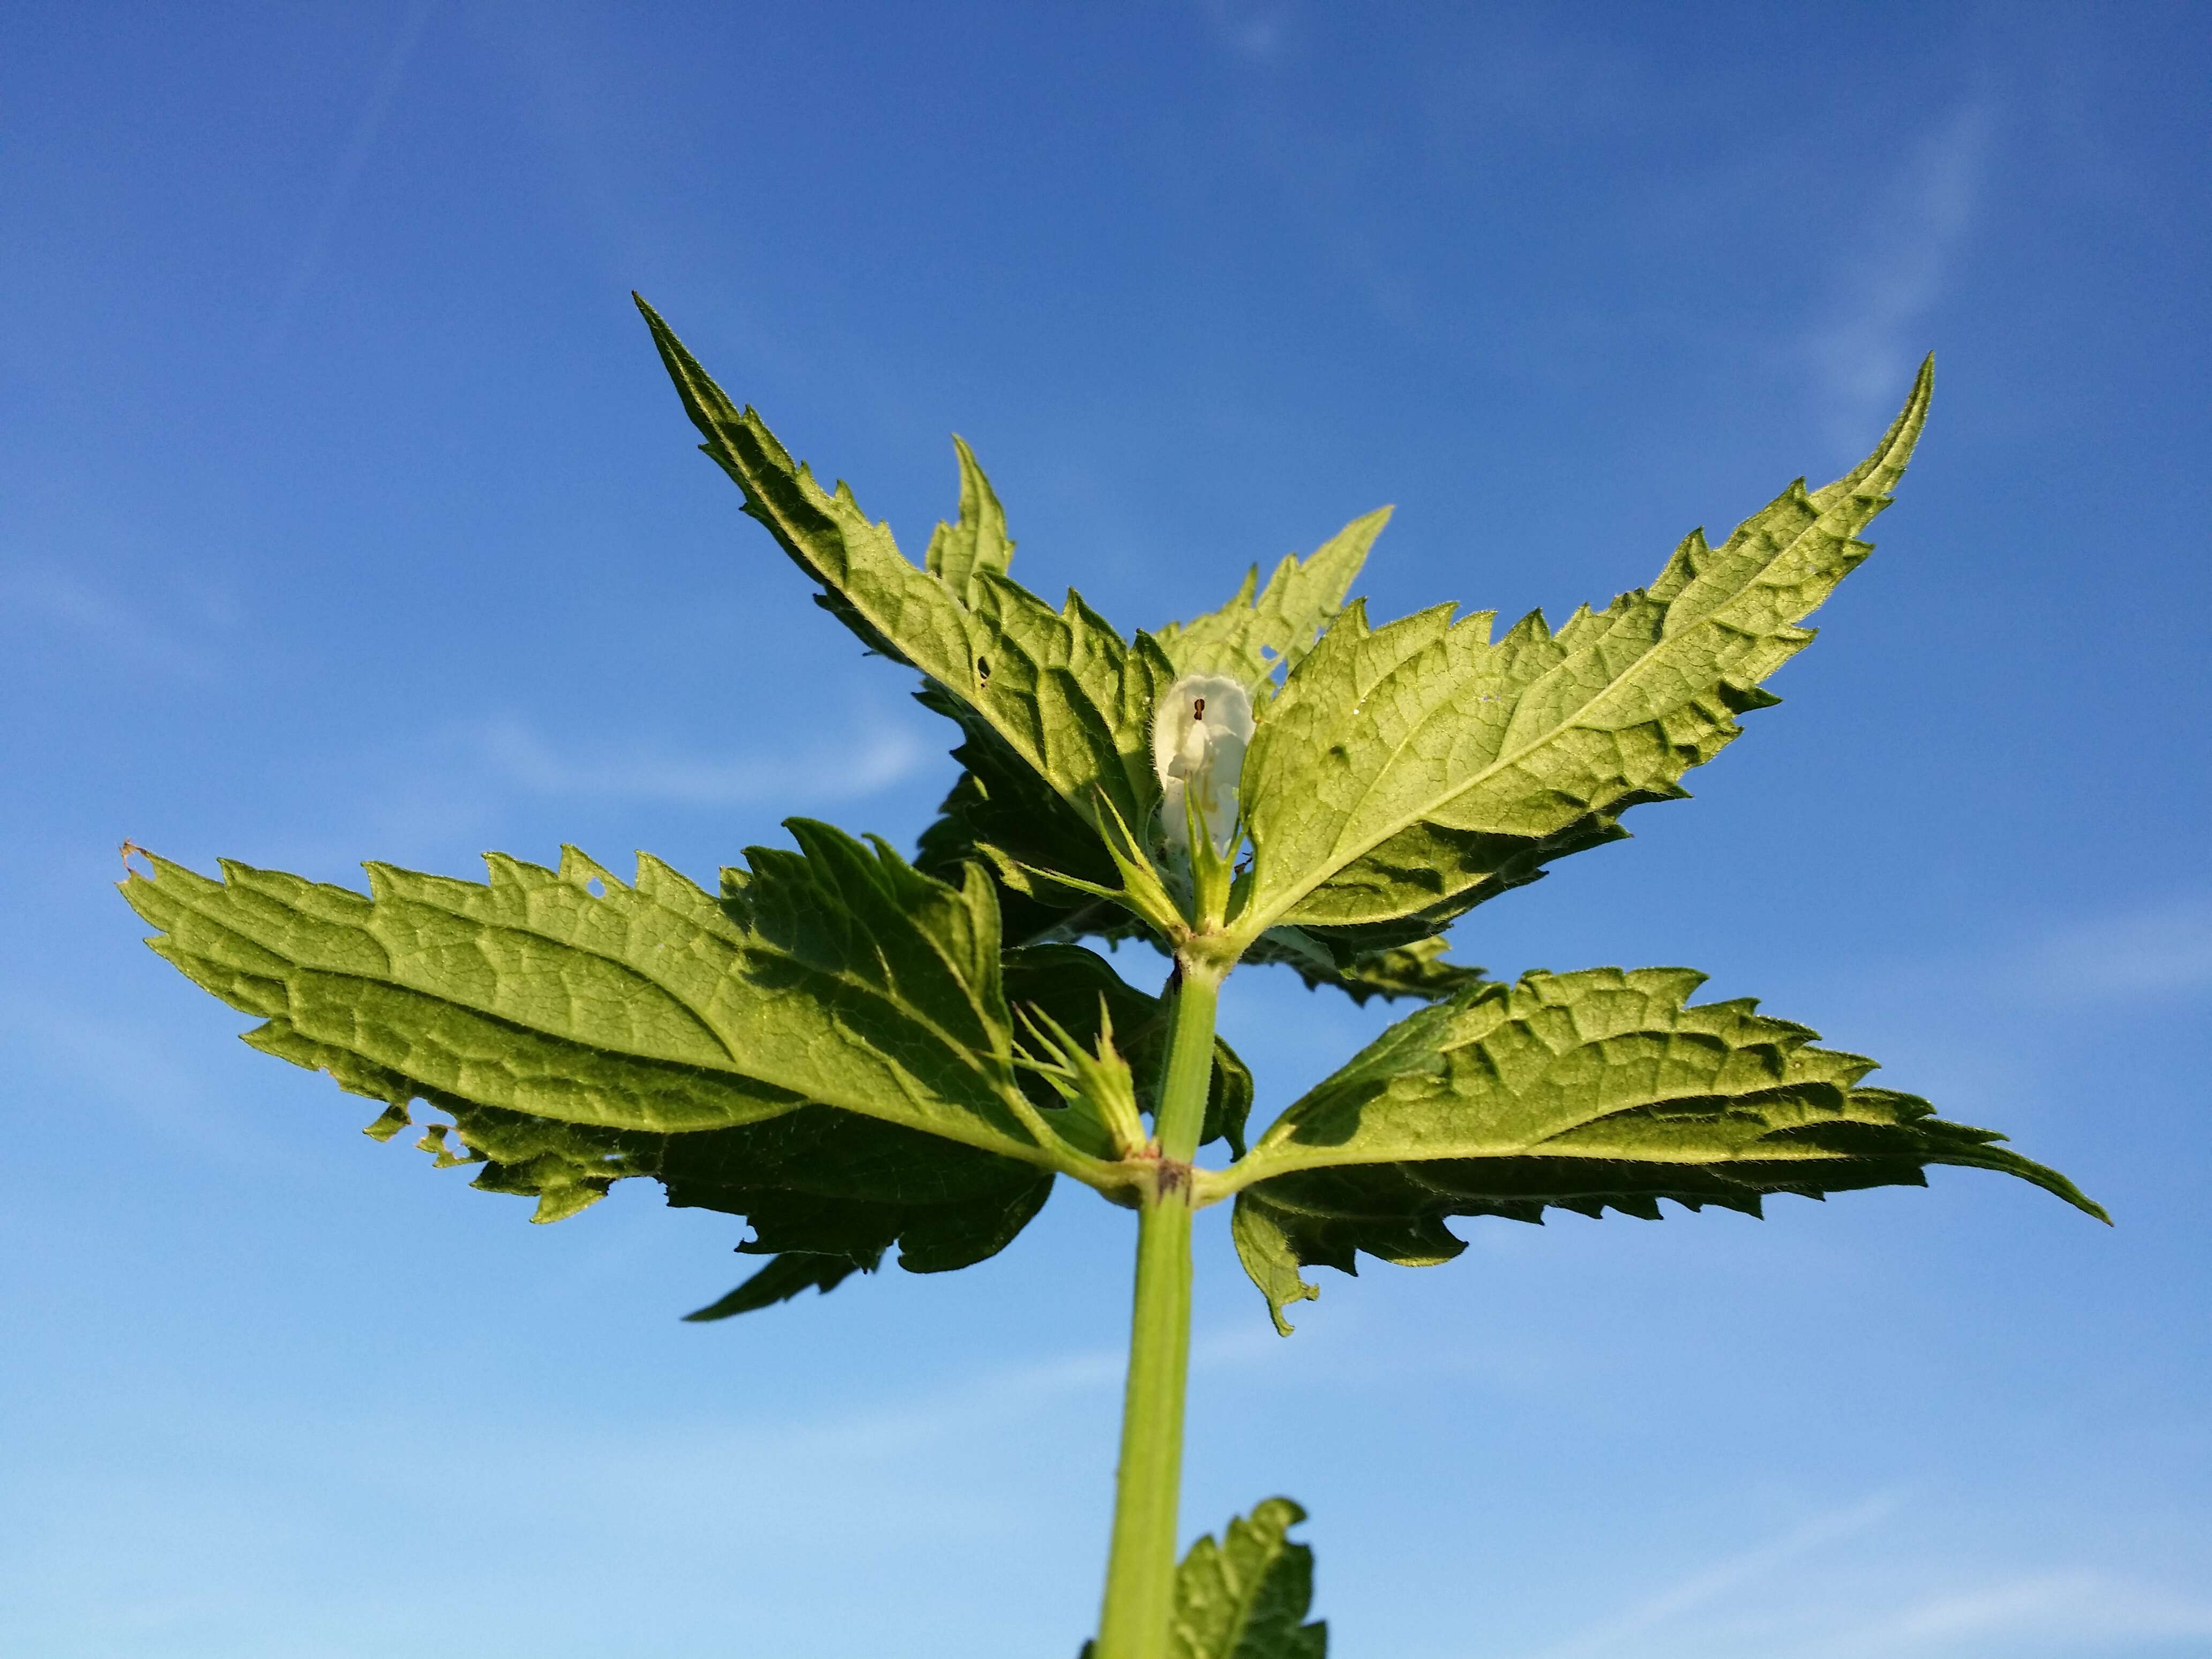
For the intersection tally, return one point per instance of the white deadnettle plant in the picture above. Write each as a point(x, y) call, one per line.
point(855, 1053)
point(1199, 733)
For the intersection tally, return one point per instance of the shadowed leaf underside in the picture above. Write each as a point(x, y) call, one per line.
point(825, 1050)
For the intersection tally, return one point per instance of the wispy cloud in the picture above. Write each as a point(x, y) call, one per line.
point(518, 754)
point(420, 797)
point(1256, 33)
point(946, 1411)
point(2046, 1612)
point(375, 108)
point(2163, 948)
point(1906, 251)
point(98, 617)
point(1720, 1612)
point(1630, 1633)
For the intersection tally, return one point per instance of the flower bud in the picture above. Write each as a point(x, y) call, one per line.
point(1200, 732)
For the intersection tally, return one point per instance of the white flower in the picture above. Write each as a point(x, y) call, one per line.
point(1200, 732)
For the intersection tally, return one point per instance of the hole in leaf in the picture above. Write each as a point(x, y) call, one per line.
point(983, 670)
point(596, 888)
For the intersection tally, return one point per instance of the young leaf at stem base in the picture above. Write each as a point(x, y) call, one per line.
point(1585, 1092)
point(1073, 986)
point(1246, 1596)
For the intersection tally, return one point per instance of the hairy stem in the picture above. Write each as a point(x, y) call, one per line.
point(1148, 1484)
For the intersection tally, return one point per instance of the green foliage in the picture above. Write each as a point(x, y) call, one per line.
point(1417, 970)
point(835, 974)
point(1059, 692)
point(857, 1055)
point(832, 1048)
point(1246, 1597)
point(1253, 637)
point(1408, 772)
point(826, 1050)
point(1586, 1091)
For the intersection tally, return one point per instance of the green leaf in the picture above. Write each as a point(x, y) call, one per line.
point(976, 544)
point(828, 1192)
point(1246, 1597)
point(1059, 690)
point(1001, 814)
point(780, 1280)
point(1586, 1091)
point(835, 975)
point(826, 1051)
point(1071, 985)
point(1250, 639)
point(1407, 773)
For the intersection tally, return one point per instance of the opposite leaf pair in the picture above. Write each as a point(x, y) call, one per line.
point(853, 1053)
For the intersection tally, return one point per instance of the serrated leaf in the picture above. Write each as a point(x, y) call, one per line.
point(1246, 1596)
point(1059, 690)
point(1000, 815)
point(828, 1192)
point(784, 1277)
point(835, 975)
point(1408, 772)
point(825, 1052)
point(1586, 1091)
point(1322, 957)
point(1252, 638)
point(976, 544)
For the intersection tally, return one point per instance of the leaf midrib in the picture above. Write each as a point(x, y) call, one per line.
point(959, 1050)
point(1285, 1156)
point(964, 614)
point(1337, 861)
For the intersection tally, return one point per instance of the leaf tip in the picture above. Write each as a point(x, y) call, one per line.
point(394, 1118)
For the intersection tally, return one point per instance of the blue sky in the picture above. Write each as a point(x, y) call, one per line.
point(345, 513)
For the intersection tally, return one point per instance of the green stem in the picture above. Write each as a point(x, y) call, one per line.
point(1148, 1484)
point(1147, 1487)
point(1190, 1064)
